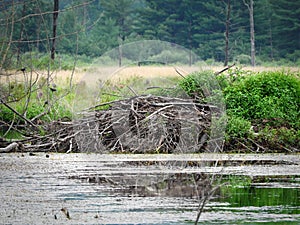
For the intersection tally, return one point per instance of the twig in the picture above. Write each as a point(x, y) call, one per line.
point(258, 145)
point(183, 103)
point(245, 146)
point(11, 127)
point(40, 115)
point(157, 111)
point(71, 146)
point(289, 150)
point(203, 203)
point(133, 91)
point(68, 137)
point(39, 146)
point(102, 104)
point(157, 87)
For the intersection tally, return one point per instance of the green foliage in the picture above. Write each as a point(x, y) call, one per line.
point(242, 59)
point(238, 128)
point(264, 106)
point(56, 112)
point(267, 102)
point(234, 181)
point(42, 61)
point(6, 114)
point(30, 105)
point(10, 135)
point(169, 57)
point(265, 95)
point(245, 195)
point(200, 85)
point(204, 88)
point(279, 138)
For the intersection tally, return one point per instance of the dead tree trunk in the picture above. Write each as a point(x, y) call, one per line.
point(21, 34)
point(9, 22)
point(227, 33)
point(252, 38)
point(55, 16)
point(120, 55)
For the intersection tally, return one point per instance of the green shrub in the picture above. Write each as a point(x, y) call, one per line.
point(42, 61)
point(280, 138)
point(268, 101)
point(200, 85)
point(265, 95)
point(6, 114)
point(170, 57)
point(238, 128)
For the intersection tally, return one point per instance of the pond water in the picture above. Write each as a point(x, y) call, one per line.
point(81, 189)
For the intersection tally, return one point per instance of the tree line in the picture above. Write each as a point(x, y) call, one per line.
point(218, 30)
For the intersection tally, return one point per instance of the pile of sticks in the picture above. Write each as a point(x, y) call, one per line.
point(146, 124)
point(140, 124)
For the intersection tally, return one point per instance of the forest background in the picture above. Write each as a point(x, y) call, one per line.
point(217, 31)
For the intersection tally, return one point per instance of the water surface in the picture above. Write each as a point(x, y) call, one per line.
point(72, 189)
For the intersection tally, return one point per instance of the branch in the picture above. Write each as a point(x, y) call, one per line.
point(223, 70)
point(180, 74)
point(9, 148)
point(246, 4)
point(17, 113)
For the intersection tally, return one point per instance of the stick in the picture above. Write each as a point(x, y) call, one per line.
point(223, 70)
point(18, 114)
point(9, 148)
point(183, 103)
point(180, 74)
point(133, 91)
point(258, 145)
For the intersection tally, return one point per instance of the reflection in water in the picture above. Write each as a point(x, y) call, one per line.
point(269, 203)
point(40, 190)
point(264, 196)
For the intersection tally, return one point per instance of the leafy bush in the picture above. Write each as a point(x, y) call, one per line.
point(201, 86)
point(42, 61)
point(6, 114)
point(280, 138)
point(263, 108)
point(238, 128)
point(168, 57)
point(265, 95)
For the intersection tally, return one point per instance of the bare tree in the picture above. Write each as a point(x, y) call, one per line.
point(227, 24)
point(55, 16)
point(21, 32)
point(252, 38)
point(9, 29)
